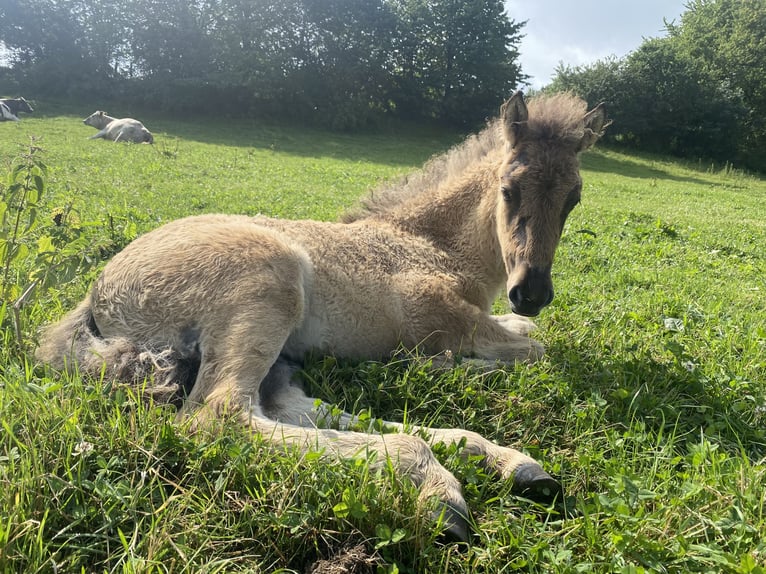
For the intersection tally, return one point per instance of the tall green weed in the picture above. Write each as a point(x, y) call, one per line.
point(41, 247)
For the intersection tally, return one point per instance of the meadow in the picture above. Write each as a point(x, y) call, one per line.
point(650, 405)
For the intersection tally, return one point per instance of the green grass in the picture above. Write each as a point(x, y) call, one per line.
point(650, 405)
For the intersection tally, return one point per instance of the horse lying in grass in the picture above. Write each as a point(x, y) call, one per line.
point(118, 130)
point(222, 307)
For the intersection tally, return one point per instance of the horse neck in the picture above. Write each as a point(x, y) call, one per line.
point(105, 121)
point(458, 217)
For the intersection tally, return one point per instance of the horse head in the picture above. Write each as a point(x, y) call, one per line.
point(539, 185)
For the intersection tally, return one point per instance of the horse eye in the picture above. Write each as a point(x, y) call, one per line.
point(511, 191)
point(574, 201)
point(573, 198)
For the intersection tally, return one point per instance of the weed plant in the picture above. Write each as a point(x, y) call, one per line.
point(650, 404)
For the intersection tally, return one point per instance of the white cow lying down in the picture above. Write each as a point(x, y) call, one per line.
point(118, 130)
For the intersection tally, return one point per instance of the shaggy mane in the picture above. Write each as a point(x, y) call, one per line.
point(551, 117)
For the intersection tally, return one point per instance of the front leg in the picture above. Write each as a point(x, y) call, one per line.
point(515, 323)
point(442, 320)
point(486, 340)
point(283, 399)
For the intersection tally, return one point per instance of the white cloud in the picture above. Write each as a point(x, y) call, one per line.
point(581, 32)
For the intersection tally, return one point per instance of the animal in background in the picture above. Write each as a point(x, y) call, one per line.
point(10, 108)
point(6, 115)
point(118, 129)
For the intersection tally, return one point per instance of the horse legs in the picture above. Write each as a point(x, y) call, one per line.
point(515, 324)
point(445, 321)
point(284, 400)
point(410, 455)
point(240, 373)
point(501, 338)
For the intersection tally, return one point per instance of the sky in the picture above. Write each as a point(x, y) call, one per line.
point(578, 32)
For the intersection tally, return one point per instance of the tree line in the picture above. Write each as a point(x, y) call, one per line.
point(341, 63)
point(699, 92)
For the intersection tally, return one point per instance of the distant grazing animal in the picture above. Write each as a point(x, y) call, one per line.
point(222, 309)
point(118, 130)
point(10, 108)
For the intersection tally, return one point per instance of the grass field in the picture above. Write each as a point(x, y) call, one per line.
point(650, 405)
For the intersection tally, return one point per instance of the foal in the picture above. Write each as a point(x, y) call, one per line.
point(224, 305)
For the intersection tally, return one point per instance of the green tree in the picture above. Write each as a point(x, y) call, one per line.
point(255, 43)
point(343, 75)
point(668, 96)
point(171, 52)
point(670, 105)
point(728, 38)
point(51, 41)
point(600, 81)
point(455, 60)
point(339, 62)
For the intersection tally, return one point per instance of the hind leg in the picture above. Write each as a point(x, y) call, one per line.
point(238, 351)
point(283, 399)
point(259, 408)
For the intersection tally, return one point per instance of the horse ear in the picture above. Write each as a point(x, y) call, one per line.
point(514, 116)
point(595, 124)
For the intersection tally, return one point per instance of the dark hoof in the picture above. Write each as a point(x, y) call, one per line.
point(455, 521)
point(531, 481)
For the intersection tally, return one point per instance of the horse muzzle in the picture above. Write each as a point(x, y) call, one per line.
point(530, 289)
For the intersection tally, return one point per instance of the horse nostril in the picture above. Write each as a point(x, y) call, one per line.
point(516, 296)
point(526, 302)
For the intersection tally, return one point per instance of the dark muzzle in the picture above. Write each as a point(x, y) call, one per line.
point(532, 291)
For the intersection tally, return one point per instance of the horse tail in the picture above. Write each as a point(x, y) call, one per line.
point(75, 345)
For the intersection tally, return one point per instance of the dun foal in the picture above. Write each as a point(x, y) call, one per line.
point(222, 307)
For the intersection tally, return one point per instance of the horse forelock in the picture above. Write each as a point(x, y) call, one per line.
point(556, 118)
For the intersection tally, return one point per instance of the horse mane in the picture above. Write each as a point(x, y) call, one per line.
point(551, 117)
point(438, 169)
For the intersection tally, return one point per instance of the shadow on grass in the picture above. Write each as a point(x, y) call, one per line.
point(598, 161)
point(665, 397)
point(397, 144)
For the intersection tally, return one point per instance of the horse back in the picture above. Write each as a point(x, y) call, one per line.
point(195, 273)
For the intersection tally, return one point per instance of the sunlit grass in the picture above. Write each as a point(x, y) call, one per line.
point(650, 405)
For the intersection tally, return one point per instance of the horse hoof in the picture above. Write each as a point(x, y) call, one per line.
point(456, 526)
point(531, 481)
